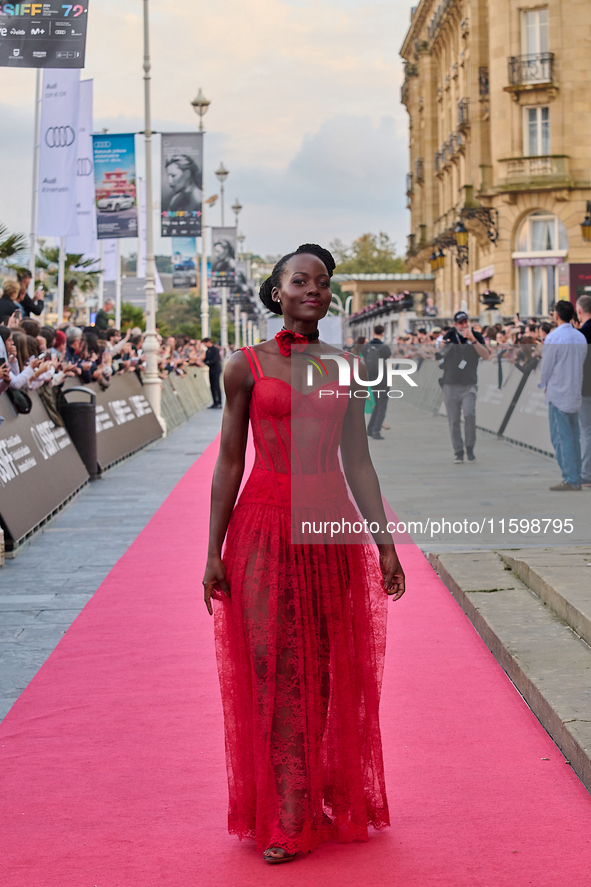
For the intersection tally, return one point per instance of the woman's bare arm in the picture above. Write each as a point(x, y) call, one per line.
point(229, 469)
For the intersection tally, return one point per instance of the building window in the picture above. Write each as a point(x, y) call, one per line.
point(542, 244)
point(536, 131)
point(534, 31)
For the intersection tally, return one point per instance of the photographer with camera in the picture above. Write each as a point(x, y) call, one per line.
point(462, 349)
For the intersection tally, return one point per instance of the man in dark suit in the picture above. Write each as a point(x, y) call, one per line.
point(214, 361)
point(373, 352)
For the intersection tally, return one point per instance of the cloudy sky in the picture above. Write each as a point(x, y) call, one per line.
point(305, 109)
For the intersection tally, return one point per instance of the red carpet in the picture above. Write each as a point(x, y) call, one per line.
point(112, 768)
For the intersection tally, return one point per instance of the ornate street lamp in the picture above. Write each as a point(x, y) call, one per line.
point(222, 174)
point(461, 234)
point(440, 258)
point(236, 209)
point(586, 224)
point(433, 261)
point(151, 378)
point(200, 105)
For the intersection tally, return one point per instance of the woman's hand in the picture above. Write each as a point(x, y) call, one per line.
point(392, 572)
point(214, 581)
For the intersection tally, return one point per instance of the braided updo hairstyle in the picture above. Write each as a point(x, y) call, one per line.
point(275, 279)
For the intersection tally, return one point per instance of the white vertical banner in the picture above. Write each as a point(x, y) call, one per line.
point(142, 240)
point(110, 259)
point(58, 152)
point(85, 242)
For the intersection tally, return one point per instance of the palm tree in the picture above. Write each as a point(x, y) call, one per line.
point(74, 273)
point(11, 245)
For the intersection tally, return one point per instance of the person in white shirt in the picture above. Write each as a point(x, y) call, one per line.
point(563, 356)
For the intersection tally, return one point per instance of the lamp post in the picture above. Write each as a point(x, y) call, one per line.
point(461, 236)
point(151, 380)
point(237, 209)
point(240, 239)
point(200, 105)
point(221, 175)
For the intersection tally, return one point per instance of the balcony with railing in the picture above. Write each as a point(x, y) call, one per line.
point(529, 70)
point(533, 173)
point(463, 113)
point(408, 184)
point(483, 87)
point(439, 161)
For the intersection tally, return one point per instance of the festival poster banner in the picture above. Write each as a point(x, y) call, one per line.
point(85, 242)
point(223, 257)
point(243, 287)
point(115, 185)
point(184, 256)
point(43, 35)
point(182, 184)
point(58, 153)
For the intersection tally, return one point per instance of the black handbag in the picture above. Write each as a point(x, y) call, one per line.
point(20, 400)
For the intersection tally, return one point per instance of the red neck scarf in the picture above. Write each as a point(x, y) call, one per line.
point(289, 341)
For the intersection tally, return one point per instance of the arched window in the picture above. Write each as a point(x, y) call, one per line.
point(542, 245)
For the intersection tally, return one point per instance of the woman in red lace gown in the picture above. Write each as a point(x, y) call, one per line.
point(300, 626)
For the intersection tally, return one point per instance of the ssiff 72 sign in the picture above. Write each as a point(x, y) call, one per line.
point(43, 35)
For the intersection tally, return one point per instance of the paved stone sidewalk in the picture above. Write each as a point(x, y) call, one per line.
point(415, 466)
point(47, 585)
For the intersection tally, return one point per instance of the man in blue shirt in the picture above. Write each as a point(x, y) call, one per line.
point(563, 356)
point(584, 315)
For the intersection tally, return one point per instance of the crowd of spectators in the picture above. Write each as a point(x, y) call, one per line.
point(516, 340)
point(40, 357)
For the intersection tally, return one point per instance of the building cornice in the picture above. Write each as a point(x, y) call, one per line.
point(418, 21)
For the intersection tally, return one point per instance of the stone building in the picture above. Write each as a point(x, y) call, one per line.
point(497, 93)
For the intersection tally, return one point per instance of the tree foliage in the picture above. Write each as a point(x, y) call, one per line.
point(369, 254)
point(11, 245)
point(132, 315)
point(180, 315)
point(75, 275)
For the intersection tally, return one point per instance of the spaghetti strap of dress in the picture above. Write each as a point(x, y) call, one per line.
point(253, 362)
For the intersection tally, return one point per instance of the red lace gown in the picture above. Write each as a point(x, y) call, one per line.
point(300, 643)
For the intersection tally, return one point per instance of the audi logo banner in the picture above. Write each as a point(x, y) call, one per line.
point(43, 35)
point(59, 136)
point(85, 243)
point(58, 153)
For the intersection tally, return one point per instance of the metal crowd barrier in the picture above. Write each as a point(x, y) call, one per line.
point(183, 396)
point(509, 403)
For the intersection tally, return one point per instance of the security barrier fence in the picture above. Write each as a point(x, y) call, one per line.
point(40, 468)
point(509, 401)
